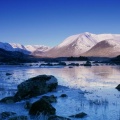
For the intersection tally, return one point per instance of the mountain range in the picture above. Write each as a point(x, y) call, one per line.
point(84, 44)
point(28, 49)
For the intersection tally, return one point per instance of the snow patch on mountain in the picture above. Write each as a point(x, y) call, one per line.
point(33, 48)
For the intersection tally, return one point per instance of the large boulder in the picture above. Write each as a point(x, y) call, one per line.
point(42, 107)
point(35, 86)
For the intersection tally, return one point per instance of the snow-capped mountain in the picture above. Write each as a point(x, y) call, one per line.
point(6, 46)
point(76, 45)
point(33, 48)
point(13, 47)
point(105, 48)
point(28, 49)
point(20, 48)
point(37, 50)
point(87, 44)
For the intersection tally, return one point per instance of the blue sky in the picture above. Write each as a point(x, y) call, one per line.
point(49, 22)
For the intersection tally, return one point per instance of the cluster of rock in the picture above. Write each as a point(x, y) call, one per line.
point(88, 63)
point(12, 116)
point(30, 88)
point(54, 64)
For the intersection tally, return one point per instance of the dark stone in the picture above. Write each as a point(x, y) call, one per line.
point(47, 64)
point(19, 118)
point(50, 99)
point(80, 115)
point(73, 64)
point(36, 86)
point(63, 95)
point(58, 118)
point(118, 87)
point(70, 67)
point(88, 63)
point(8, 100)
point(61, 63)
point(7, 74)
point(42, 106)
point(27, 105)
point(5, 115)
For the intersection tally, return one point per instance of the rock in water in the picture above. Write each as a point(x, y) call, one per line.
point(79, 115)
point(118, 87)
point(42, 107)
point(19, 118)
point(50, 99)
point(5, 115)
point(63, 95)
point(88, 63)
point(57, 118)
point(36, 86)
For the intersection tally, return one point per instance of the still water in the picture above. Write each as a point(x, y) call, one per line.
point(89, 89)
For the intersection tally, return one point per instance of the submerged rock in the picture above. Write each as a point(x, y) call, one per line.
point(58, 118)
point(42, 107)
point(118, 87)
point(36, 86)
point(8, 100)
point(5, 115)
point(63, 95)
point(7, 74)
point(22, 117)
point(50, 99)
point(79, 115)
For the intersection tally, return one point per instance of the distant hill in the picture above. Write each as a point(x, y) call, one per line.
point(14, 57)
point(105, 48)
